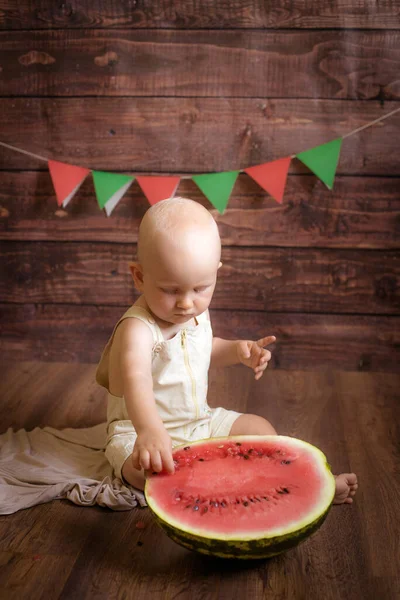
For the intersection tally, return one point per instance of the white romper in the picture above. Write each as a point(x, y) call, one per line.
point(180, 377)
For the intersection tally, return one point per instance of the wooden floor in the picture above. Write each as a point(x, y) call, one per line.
point(59, 550)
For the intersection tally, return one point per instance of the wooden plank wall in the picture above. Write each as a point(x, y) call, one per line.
point(189, 87)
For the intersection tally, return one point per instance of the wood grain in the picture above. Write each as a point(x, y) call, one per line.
point(270, 279)
point(358, 212)
point(194, 135)
point(61, 550)
point(78, 334)
point(318, 64)
point(140, 87)
point(188, 14)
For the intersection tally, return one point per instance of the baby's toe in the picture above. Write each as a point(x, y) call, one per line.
point(351, 479)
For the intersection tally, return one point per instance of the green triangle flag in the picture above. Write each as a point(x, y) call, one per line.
point(217, 187)
point(109, 188)
point(323, 160)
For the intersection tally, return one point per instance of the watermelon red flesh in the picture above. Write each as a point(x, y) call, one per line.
point(250, 488)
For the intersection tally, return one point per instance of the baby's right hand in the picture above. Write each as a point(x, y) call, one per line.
point(153, 450)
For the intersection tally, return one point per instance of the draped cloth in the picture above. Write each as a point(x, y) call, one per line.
point(51, 464)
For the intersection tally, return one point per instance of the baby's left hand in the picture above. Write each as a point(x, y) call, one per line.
point(253, 354)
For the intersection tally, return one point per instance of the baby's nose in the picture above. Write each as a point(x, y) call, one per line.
point(185, 302)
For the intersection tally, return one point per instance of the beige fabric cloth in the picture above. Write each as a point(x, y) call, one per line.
point(50, 464)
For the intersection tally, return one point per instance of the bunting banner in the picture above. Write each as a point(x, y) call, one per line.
point(158, 188)
point(217, 187)
point(109, 188)
point(271, 176)
point(322, 160)
point(67, 179)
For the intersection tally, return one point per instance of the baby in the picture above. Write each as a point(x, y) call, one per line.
point(155, 365)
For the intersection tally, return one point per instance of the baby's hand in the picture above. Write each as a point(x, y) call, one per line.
point(253, 354)
point(153, 450)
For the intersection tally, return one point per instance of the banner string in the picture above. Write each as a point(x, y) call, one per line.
point(24, 151)
point(241, 170)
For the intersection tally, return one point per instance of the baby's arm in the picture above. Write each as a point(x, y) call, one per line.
point(252, 354)
point(224, 352)
point(153, 447)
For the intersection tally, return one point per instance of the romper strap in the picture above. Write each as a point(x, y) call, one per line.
point(143, 315)
point(203, 317)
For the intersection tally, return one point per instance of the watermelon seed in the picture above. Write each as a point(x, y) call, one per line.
point(245, 503)
point(195, 507)
point(223, 504)
point(205, 509)
point(246, 456)
point(186, 447)
point(250, 450)
point(286, 491)
point(215, 504)
point(285, 462)
point(251, 499)
point(198, 500)
point(238, 444)
point(201, 459)
point(265, 498)
point(188, 506)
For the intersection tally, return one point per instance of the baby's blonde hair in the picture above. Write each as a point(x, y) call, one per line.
point(165, 217)
point(164, 213)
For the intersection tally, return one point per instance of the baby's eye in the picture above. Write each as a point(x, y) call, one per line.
point(172, 292)
point(201, 289)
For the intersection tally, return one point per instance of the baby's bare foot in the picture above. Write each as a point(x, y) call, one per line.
point(346, 486)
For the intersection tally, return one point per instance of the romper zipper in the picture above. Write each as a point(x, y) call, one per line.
point(187, 363)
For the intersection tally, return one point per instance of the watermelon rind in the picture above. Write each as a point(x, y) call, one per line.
point(254, 545)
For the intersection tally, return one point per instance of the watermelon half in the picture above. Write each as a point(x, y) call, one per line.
point(242, 496)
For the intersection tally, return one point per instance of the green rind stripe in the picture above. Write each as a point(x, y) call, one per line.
point(261, 548)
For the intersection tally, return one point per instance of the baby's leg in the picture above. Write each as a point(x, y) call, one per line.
point(132, 475)
point(118, 451)
point(252, 425)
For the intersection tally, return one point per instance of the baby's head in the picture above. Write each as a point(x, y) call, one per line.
point(179, 251)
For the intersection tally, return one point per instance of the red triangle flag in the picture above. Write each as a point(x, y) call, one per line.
point(271, 176)
point(66, 180)
point(158, 188)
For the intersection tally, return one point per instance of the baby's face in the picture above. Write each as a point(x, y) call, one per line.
point(179, 281)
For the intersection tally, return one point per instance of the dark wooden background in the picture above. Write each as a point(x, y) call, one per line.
point(187, 87)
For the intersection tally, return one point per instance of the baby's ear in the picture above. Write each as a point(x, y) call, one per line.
point(132, 267)
point(137, 274)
